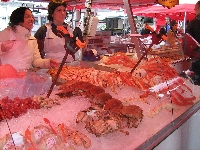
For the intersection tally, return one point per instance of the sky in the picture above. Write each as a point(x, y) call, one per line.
point(188, 1)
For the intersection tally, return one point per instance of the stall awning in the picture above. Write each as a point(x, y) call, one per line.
point(177, 13)
point(100, 3)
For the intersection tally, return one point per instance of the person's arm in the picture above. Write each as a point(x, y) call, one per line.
point(40, 36)
point(38, 61)
point(5, 43)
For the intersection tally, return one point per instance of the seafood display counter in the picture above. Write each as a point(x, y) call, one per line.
point(99, 107)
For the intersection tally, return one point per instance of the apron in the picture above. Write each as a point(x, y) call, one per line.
point(54, 46)
point(20, 56)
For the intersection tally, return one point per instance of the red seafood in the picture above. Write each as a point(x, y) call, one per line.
point(113, 105)
point(74, 88)
point(16, 107)
point(100, 99)
point(133, 114)
point(120, 58)
point(106, 114)
point(74, 137)
point(177, 91)
point(147, 74)
point(93, 91)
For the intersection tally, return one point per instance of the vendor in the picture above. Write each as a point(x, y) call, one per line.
point(17, 47)
point(145, 31)
point(50, 44)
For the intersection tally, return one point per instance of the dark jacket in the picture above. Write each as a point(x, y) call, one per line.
point(193, 28)
point(40, 36)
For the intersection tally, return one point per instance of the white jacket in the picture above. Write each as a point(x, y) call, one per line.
point(25, 53)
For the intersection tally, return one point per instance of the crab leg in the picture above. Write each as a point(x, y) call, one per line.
point(28, 137)
point(48, 122)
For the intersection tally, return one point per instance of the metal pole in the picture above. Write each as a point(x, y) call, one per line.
point(135, 40)
point(184, 21)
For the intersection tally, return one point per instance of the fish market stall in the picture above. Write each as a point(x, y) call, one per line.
point(94, 106)
point(75, 116)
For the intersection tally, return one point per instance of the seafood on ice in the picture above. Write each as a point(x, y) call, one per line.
point(15, 107)
point(168, 106)
point(120, 58)
point(149, 73)
point(63, 137)
point(45, 102)
point(176, 90)
point(152, 72)
point(73, 137)
point(14, 141)
point(112, 117)
point(42, 137)
point(106, 114)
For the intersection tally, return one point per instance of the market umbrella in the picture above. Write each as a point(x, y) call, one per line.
point(175, 13)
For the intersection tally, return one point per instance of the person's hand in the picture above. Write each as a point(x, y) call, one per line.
point(54, 63)
point(7, 45)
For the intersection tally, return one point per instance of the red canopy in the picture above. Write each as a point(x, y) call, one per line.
point(100, 2)
point(107, 4)
point(177, 13)
point(140, 7)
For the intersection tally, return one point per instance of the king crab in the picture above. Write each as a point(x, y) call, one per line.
point(106, 114)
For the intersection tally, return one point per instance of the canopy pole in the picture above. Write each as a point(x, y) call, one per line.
point(184, 21)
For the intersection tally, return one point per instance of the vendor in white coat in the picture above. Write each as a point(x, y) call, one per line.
point(50, 45)
point(17, 47)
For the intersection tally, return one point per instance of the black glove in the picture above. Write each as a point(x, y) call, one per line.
point(78, 33)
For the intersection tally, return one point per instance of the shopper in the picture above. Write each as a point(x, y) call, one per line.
point(167, 24)
point(51, 45)
point(17, 47)
point(172, 37)
point(193, 28)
